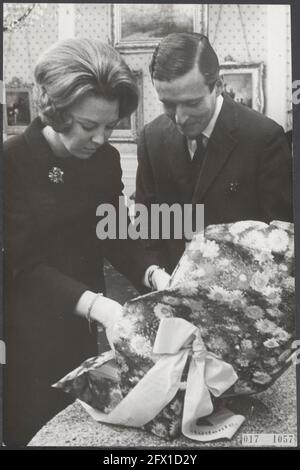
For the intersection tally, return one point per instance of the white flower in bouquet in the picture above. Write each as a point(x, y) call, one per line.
point(162, 311)
point(219, 293)
point(196, 243)
point(275, 312)
point(218, 345)
point(191, 288)
point(259, 281)
point(254, 312)
point(271, 343)
point(125, 328)
point(273, 294)
point(281, 335)
point(242, 361)
point(266, 326)
point(237, 299)
point(246, 344)
point(210, 249)
point(278, 241)
point(255, 240)
point(140, 346)
point(283, 267)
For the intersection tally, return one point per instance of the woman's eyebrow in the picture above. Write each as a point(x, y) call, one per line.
point(91, 121)
point(82, 118)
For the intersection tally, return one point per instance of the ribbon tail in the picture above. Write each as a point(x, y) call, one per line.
point(154, 391)
point(208, 374)
point(222, 424)
point(197, 402)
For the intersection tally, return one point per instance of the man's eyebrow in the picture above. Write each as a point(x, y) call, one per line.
point(189, 100)
point(198, 98)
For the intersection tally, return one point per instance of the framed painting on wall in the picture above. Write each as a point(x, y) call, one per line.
point(138, 27)
point(19, 109)
point(244, 83)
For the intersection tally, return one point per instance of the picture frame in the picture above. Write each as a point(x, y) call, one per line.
point(138, 27)
point(129, 127)
point(244, 83)
point(19, 110)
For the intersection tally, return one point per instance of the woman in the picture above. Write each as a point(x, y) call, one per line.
point(56, 175)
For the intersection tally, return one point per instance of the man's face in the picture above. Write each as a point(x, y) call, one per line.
point(188, 101)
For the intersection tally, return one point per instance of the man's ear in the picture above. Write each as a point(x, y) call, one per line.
point(219, 86)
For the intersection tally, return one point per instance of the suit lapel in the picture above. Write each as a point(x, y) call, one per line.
point(179, 160)
point(220, 146)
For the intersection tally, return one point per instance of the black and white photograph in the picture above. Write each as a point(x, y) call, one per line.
point(148, 227)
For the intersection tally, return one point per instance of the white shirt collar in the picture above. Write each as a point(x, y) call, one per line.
point(210, 126)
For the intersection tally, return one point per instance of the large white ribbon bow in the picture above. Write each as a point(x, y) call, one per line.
point(176, 340)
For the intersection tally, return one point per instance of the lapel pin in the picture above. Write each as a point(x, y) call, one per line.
point(233, 187)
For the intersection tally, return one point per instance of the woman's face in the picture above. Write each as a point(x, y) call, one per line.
point(93, 120)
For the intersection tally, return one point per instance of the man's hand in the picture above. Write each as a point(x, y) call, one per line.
point(160, 279)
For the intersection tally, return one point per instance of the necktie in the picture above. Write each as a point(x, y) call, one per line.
point(197, 160)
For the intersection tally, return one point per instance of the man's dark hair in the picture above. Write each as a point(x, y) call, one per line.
point(178, 53)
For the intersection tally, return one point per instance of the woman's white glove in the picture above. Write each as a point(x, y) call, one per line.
point(106, 312)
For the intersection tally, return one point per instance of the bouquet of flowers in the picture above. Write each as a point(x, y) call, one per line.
point(233, 290)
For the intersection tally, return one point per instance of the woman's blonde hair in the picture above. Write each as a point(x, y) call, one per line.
point(74, 67)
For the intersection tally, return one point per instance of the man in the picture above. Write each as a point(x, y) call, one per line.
point(206, 148)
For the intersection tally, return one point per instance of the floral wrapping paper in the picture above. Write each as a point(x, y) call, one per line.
point(236, 285)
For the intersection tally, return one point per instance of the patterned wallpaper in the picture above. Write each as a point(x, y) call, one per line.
point(22, 47)
point(230, 30)
point(93, 21)
point(228, 37)
point(225, 29)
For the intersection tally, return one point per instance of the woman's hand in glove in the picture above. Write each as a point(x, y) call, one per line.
point(104, 311)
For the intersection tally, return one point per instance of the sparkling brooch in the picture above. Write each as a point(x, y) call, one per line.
point(56, 175)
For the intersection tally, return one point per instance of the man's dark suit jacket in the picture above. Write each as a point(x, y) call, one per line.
point(246, 174)
point(52, 255)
